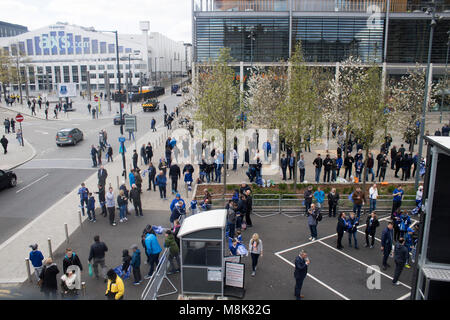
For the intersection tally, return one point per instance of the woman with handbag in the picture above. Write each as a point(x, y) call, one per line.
point(114, 288)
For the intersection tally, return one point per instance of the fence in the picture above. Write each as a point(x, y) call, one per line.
point(152, 288)
point(271, 204)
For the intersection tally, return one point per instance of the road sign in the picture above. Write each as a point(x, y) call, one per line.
point(130, 123)
point(19, 118)
point(122, 139)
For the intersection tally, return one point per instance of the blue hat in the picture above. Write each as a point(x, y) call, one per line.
point(177, 195)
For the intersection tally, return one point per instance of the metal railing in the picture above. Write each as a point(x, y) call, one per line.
point(152, 288)
point(294, 203)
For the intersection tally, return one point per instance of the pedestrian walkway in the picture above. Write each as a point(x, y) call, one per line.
point(16, 154)
point(50, 224)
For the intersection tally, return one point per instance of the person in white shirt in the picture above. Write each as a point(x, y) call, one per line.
point(373, 195)
point(69, 284)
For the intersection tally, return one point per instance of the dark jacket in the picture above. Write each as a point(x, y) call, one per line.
point(175, 172)
point(135, 196)
point(400, 253)
point(371, 228)
point(73, 260)
point(101, 194)
point(333, 199)
point(318, 162)
point(48, 276)
point(126, 259)
point(102, 177)
point(340, 228)
point(136, 259)
point(386, 239)
point(97, 251)
point(151, 172)
point(301, 268)
point(327, 163)
point(348, 161)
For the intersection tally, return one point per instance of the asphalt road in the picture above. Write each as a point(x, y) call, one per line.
point(56, 171)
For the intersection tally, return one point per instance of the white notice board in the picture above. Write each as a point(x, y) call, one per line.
point(234, 274)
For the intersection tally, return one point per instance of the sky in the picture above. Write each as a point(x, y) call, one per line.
point(172, 18)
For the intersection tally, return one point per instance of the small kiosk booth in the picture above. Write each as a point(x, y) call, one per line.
point(202, 249)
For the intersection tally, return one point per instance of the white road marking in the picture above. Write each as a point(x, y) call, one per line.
point(360, 262)
point(315, 279)
point(45, 175)
point(42, 132)
point(324, 238)
point(405, 296)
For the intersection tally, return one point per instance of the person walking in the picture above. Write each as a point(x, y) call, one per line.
point(340, 228)
point(386, 243)
point(153, 251)
point(91, 208)
point(333, 200)
point(373, 195)
point(102, 199)
point(6, 123)
point(161, 182)
point(255, 246)
point(111, 206)
point(175, 175)
point(153, 125)
point(401, 256)
point(151, 177)
point(115, 288)
point(4, 143)
point(13, 125)
point(372, 224)
point(300, 272)
point(94, 153)
point(135, 198)
point(49, 284)
point(313, 215)
point(71, 259)
point(359, 199)
point(135, 158)
point(97, 256)
point(136, 264)
point(36, 257)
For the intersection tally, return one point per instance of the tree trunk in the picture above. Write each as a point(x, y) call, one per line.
point(224, 171)
point(365, 170)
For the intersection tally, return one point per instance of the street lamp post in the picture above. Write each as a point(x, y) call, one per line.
point(431, 10)
point(160, 71)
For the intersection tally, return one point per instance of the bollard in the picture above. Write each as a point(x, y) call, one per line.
point(27, 263)
point(83, 288)
point(66, 228)
point(117, 182)
point(79, 218)
point(50, 248)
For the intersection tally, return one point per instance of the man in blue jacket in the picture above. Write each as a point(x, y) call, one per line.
point(136, 264)
point(175, 201)
point(161, 182)
point(301, 270)
point(386, 243)
point(153, 251)
point(84, 196)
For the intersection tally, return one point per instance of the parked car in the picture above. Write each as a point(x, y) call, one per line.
point(185, 90)
point(69, 136)
point(8, 179)
point(179, 93)
point(117, 120)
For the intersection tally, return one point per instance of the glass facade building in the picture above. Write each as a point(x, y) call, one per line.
point(262, 31)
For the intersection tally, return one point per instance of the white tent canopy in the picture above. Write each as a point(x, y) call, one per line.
point(203, 221)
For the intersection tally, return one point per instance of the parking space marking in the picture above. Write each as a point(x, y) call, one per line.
point(362, 263)
point(268, 215)
point(315, 279)
point(405, 296)
point(324, 238)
